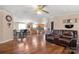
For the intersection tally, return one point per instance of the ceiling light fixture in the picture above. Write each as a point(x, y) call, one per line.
point(39, 12)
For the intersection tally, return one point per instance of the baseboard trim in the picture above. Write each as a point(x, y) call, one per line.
point(5, 41)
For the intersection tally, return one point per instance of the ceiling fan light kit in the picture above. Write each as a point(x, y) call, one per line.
point(39, 12)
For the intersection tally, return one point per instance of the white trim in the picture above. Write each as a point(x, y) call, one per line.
point(5, 41)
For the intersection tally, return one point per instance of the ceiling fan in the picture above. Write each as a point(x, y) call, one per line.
point(41, 8)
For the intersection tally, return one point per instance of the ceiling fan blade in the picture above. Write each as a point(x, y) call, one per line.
point(45, 11)
point(41, 6)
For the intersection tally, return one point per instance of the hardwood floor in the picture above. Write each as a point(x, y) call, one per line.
point(32, 44)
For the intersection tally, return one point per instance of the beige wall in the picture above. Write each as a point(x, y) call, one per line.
point(1, 26)
point(59, 24)
point(16, 24)
point(6, 32)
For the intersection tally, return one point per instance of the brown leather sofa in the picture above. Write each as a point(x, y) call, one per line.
point(66, 38)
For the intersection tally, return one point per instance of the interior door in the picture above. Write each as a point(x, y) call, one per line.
point(52, 25)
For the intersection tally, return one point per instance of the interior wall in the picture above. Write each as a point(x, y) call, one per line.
point(59, 23)
point(6, 32)
point(1, 26)
point(15, 27)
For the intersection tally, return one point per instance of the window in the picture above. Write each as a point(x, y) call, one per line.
point(22, 26)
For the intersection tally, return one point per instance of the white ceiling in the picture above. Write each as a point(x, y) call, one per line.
point(24, 12)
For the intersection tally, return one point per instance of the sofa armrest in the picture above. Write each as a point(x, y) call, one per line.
point(73, 43)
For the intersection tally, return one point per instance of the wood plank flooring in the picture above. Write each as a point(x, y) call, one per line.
point(32, 44)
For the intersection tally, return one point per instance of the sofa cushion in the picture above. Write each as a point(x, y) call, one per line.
point(67, 37)
point(68, 33)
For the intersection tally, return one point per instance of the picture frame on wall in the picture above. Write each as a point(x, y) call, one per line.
point(75, 20)
point(64, 21)
point(68, 20)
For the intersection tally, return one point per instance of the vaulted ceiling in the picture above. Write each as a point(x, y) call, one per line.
point(24, 12)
